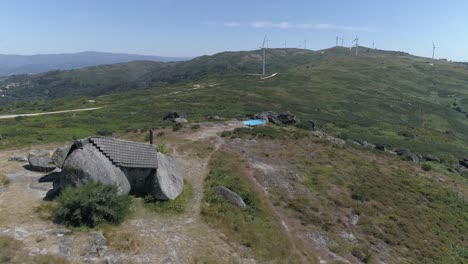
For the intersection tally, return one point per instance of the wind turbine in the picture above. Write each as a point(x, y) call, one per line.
point(342, 42)
point(284, 44)
point(305, 44)
point(357, 44)
point(265, 40)
point(433, 49)
point(373, 45)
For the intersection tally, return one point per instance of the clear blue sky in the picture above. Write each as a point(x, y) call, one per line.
point(191, 28)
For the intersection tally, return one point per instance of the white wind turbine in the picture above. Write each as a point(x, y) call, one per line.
point(357, 44)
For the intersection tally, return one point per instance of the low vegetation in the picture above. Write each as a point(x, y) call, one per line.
point(12, 252)
point(254, 227)
point(176, 206)
point(4, 180)
point(123, 241)
point(91, 204)
point(402, 210)
point(268, 131)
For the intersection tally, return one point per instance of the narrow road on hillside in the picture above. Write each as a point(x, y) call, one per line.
point(50, 113)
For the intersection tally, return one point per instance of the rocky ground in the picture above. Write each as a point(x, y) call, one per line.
point(157, 238)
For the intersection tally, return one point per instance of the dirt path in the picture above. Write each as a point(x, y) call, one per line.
point(49, 113)
point(183, 238)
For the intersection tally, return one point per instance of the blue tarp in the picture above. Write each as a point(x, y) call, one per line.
point(254, 122)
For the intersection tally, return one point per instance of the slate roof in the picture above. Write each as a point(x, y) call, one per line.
point(126, 153)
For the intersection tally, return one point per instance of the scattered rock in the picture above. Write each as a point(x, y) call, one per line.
point(18, 158)
point(88, 163)
point(213, 118)
point(464, 163)
point(279, 119)
point(21, 233)
point(318, 134)
point(407, 155)
point(337, 141)
point(230, 196)
point(180, 120)
point(366, 144)
point(166, 183)
point(60, 155)
point(100, 242)
point(173, 115)
point(348, 236)
point(391, 152)
point(430, 157)
point(40, 163)
point(65, 246)
point(354, 219)
point(380, 147)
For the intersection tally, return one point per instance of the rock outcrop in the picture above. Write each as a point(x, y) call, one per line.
point(230, 196)
point(88, 163)
point(40, 163)
point(132, 167)
point(60, 155)
point(279, 119)
point(166, 183)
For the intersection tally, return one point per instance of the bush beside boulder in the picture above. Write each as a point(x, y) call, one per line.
point(91, 204)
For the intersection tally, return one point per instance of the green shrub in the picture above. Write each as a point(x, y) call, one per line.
point(91, 204)
point(176, 206)
point(426, 167)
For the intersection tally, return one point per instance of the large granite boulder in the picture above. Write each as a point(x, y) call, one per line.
point(167, 183)
point(60, 155)
point(408, 155)
point(230, 196)
point(88, 163)
point(279, 119)
point(40, 163)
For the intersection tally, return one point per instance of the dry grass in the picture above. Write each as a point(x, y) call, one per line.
point(12, 252)
point(4, 180)
point(124, 241)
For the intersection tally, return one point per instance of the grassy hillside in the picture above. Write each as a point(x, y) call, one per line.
point(383, 97)
point(106, 79)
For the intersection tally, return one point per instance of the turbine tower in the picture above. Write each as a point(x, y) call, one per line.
point(373, 45)
point(342, 42)
point(357, 44)
point(265, 40)
point(433, 49)
point(337, 38)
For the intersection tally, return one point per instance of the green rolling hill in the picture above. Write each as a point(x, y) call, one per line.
point(381, 96)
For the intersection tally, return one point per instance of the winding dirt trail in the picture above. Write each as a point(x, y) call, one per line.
point(49, 113)
point(182, 238)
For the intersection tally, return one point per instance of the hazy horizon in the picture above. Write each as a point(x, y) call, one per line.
point(173, 28)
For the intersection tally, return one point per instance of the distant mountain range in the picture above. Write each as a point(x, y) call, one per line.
point(31, 64)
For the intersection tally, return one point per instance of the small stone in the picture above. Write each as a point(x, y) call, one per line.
point(354, 219)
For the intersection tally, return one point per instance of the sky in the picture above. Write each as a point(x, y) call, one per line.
point(192, 28)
